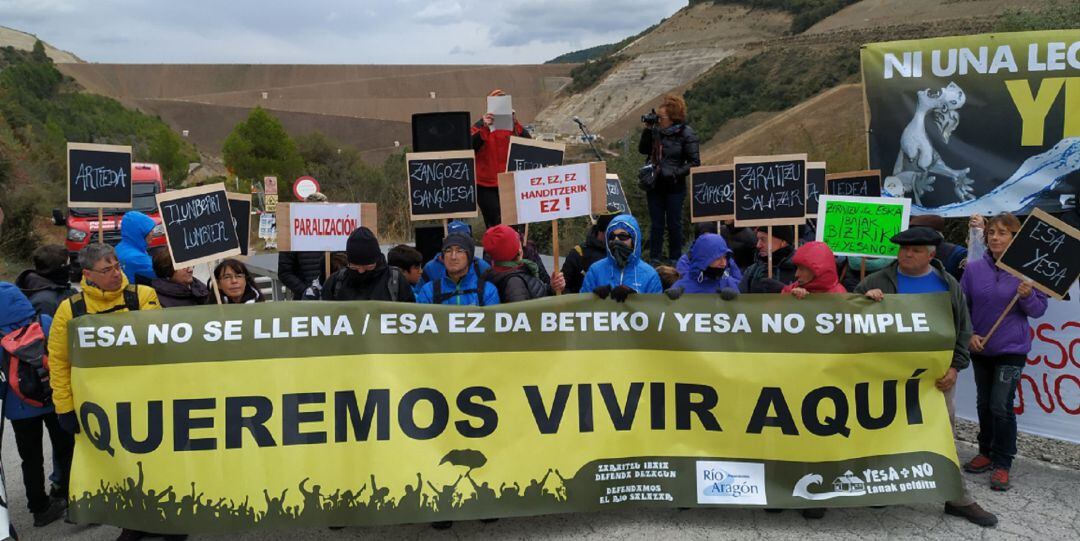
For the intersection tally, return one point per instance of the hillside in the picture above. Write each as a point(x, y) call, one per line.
point(25, 42)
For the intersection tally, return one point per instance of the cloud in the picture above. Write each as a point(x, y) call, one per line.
point(441, 12)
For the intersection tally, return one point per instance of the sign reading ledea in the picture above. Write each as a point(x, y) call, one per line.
point(550, 193)
point(321, 227)
point(862, 226)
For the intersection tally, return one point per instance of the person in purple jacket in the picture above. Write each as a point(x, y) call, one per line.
point(999, 359)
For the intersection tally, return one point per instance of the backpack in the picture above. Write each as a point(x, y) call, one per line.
point(438, 297)
point(131, 302)
point(27, 364)
point(391, 283)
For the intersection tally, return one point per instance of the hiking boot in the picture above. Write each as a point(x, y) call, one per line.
point(979, 464)
point(813, 513)
point(999, 480)
point(130, 535)
point(50, 514)
point(973, 513)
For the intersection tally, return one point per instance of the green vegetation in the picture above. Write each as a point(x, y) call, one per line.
point(1059, 16)
point(590, 73)
point(40, 111)
point(259, 146)
point(806, 13)
point(582, 55)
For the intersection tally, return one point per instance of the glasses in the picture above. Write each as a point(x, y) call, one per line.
point(231, 277)
point(620, 236)
point(454, 251)
point(107, 270)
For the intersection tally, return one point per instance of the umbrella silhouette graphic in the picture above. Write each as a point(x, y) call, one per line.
point(469, 458)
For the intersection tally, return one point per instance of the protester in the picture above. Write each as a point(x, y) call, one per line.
point(237, 284)
point(756, 278)
point(582, 256)
point(711, 269)
point(136, 230)
point(460, 285)
point(367, 277)
point(998, 360)
point(411, 263)
point(682, 266)
point(530, 252)
point(622, 272)
point(668, 276)
point(853, 269)
point(177, 287)
point(28, 419)
point(515, 277)
point(952, 256)
point(492, 150)
point(815, 271)
point(436, 270)
point(47, 284)
point(672, 148)
point(916, 271)
point(304, 273)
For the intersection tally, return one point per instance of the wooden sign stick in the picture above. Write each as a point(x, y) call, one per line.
point(554, 244)
point(327, 268)
point(525, 236)
point(1000, 318)
point(862, 268)
point(101, 225)
point(768, 248)
point(214, 282)
point(445, 227)
point(796, 237)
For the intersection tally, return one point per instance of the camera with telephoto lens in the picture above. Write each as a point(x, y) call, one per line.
point(651, 118)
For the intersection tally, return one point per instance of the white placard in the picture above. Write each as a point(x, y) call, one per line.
point(542, 195)
point(322, 227)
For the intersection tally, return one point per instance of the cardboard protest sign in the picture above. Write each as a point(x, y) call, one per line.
point(1046, 251)
point(441, 184)
point(616, 197)
point(854, 183)
point(770, 190)
point(712, 193)
point(198, 225)
point(815, 187)
point(542, 195)
point(862, 226)
point(525, 153)
point(240, 207)
point(322, 227)
point(99, 176)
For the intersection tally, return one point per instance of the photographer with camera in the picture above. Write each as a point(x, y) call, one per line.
point(672, 148)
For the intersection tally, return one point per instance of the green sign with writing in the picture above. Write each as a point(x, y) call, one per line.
point(862, 226)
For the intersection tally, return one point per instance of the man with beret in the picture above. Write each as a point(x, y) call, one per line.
point(366, 276)
point(916, 271)
point(461, 285)
point(756, 278)
point(515, 277)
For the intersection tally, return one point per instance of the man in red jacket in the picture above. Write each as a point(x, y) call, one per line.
point(492, 148)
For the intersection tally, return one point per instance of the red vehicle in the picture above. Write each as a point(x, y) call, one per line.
point(82, 223)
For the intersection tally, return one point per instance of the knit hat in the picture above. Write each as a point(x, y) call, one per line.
point(502, 243)
point(783, 232)
point(462, 241)
point(458, 226)
point(362, 248)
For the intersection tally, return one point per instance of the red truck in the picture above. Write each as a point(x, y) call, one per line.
point(82, 223)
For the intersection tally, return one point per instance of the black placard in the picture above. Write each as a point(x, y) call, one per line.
point(240, 207)
point(99, 176)
point(531, 154)
point(770, 190)
point(815, 186)
point(198, 225)
point(712, 193)
point(1047, 251)
point(441, 184)
point(616, 197)
point(857, 183)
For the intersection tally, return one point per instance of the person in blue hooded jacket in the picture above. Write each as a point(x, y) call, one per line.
point(436, 269)
point(711, 268)
point(622, 272)
point(461, 285)
point(135, 230)
point(27, 421)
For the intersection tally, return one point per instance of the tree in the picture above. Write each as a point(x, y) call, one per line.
point(259, 146)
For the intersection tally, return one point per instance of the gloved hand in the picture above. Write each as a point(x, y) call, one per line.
point(621, 292)
point(674, 293)
point(312, 294)
point(728, 293)
point(602, 291)
point(69, 422)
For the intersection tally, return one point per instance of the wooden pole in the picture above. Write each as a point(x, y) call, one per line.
point(327, 268)
point(525, 236)
point(768, 248)
point(1000, 318)
point(555, 244)
point(445, 227)
point(796, 237)
point(214, 283)
point(101, 225)
point(862, 268)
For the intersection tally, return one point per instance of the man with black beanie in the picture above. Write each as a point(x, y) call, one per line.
point(366, 276)
point(47, 285)
point(756, 278)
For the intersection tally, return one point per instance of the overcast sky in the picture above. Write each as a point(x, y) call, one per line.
point(331, 31)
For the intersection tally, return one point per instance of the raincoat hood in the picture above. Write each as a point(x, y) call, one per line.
point(708, 248)
point(17, 310)
point(135, 227)
point(627, 222)
point(817, 257)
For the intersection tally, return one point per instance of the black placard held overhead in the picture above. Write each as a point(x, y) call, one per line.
point(712, 193)
point(815, 186)
point(855, 183)
point(1046, 251)
point(198, 225)
point(525, 153)
point(437, 132)
point(441, 184)
point(240, 207)
point(770, 190)
point(99, 176)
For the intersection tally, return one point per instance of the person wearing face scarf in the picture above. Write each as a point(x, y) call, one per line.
point(47, 284)
point(710, 268)
point(367, 277)
point(622, 272)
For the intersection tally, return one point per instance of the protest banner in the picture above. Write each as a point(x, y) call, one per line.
point(333, 409)
point(240, 208)
point(1045, 251)
point(854, 183)
point(527, 153)
point(198, 225)
point(99, 176)
point(442, 185)
point(815, 186)
point(862, 226)
point(988, 121)
point(616, 197)
point(322, 227)
point(712, 193)
point(1047, 399)
point(770, 190)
